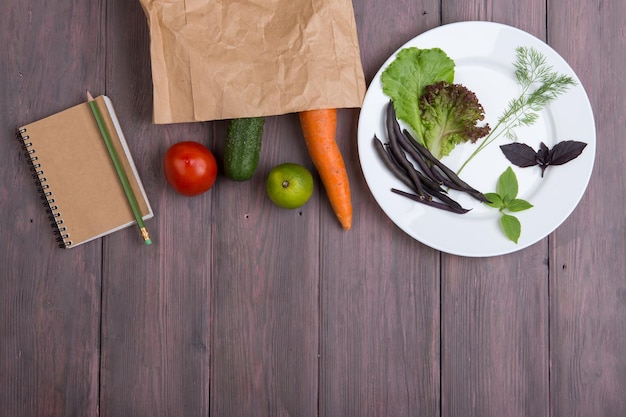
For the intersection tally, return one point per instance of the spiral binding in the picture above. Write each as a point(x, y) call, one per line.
point(54, 215)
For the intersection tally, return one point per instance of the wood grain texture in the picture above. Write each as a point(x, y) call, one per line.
point(265, 290)
point(495, 310)
point(379, 288)
point(495, 336)
point(588, 278)
point(156, 300)
point(49, 298)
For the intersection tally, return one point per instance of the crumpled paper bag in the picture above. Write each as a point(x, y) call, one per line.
point(224, 59)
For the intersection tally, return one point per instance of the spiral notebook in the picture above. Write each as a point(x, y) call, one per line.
point(76, 176)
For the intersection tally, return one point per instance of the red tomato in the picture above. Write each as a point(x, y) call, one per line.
point(190, 168)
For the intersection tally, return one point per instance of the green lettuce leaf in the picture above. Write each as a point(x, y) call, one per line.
point(405, 78)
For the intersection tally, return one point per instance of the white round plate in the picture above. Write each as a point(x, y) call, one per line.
point(484, 53)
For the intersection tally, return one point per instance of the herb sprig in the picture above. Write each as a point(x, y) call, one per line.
point(524, 156)
point(540, 85)
point(505, 199)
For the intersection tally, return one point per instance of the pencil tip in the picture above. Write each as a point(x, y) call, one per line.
point(89, 96)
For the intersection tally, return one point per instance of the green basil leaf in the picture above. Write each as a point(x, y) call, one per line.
point(511, 226)
point(507, 185)
point(518, 205)
point(495, 200)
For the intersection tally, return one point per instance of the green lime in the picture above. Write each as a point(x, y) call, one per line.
point(289, 185)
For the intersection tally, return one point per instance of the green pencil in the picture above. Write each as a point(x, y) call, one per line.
point(118, 167)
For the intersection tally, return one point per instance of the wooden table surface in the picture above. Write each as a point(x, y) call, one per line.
point(243, 309)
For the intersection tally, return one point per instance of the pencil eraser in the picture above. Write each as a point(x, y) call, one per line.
point(148, 242)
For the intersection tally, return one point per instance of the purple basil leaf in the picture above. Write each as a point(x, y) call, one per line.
point(520, 154)
point(565, 151)
point(543, 154)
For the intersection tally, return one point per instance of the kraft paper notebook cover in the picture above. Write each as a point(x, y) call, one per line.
point(76, 176)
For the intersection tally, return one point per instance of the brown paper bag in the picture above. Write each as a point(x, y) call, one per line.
point(224, 59)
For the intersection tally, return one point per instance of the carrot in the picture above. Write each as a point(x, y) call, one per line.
point(319, 128)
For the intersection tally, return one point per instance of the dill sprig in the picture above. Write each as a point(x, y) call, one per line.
point(540, 85)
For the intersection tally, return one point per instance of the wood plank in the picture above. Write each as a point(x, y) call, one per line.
point(379, 288)
point(495, 310)
point(495, 335)
point(49, 297)
point(156, 299)
point(587, 285)
point(265, 290)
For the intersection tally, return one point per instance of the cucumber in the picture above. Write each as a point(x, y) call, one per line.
point(243, 147)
